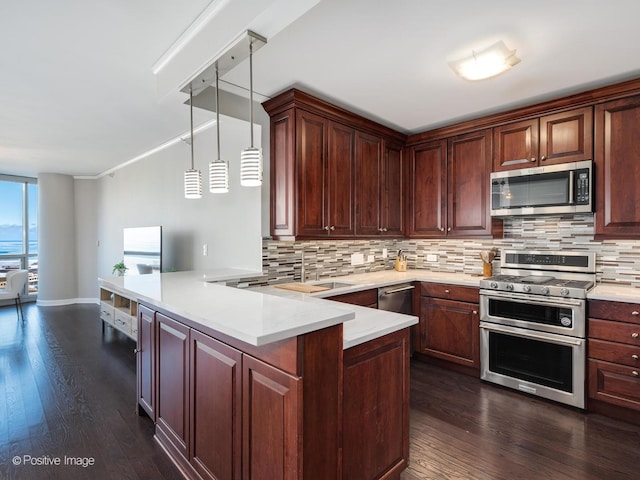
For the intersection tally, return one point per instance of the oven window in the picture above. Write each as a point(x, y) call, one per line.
point(531, 360)
point(545, 314)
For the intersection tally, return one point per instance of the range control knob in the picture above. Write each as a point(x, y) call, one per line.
point(564, 292)
point(526, 288)
point(494, 284)
point(544, 290)
point(510, 286)
point(565, 321)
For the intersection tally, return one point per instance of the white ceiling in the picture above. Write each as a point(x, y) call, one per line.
point(77, 94)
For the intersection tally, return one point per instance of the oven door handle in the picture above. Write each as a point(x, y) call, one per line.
point(521, 332)
point(531, 299)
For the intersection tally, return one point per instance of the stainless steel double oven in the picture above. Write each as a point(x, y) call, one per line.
point(533, 325)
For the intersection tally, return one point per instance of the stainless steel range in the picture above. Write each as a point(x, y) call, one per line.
point(533, 323)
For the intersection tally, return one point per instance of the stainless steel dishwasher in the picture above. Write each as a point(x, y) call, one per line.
point(396, 298)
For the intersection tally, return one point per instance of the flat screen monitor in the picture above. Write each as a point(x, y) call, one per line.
point(143, 250)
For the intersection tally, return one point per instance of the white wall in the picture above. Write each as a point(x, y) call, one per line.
point(150, 192)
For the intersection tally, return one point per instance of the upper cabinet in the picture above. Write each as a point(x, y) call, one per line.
point(550, 139)
point(617, 162)
point(448, 187)
point(334, 174)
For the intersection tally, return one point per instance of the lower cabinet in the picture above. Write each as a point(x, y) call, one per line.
point(301, 408)
point(376, 408)
point(365, 298)
point(614, 359)
point(449, 325)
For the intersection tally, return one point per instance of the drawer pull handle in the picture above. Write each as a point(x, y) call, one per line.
point(447, 291)
point(634, 335)
point(634, 356)
point(475, 312)
point(635, 313)
point(634, 373)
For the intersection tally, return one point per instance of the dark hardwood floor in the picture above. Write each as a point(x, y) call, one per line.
point(67, 390)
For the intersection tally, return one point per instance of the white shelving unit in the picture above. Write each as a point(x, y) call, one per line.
point(119, 312)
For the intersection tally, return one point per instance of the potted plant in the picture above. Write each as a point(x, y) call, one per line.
point(119, 269)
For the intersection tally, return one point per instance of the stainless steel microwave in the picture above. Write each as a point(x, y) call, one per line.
point(561, 188)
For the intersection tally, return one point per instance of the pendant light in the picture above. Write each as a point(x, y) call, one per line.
point(192, 177)
point(251, 158)
point(218, 170)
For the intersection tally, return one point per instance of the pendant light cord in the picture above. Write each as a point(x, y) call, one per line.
point(251, 86)
point(191, 111)
point(217, 112)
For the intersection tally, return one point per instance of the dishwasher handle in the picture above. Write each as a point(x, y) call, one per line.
point(396, 290)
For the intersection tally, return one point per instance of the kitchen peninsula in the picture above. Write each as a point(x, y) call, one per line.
point(244, 384)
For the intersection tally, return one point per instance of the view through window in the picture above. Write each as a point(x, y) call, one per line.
point(19, 228)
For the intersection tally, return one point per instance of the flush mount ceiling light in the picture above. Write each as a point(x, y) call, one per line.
point(485, 63)
point(251, 158)
point(192, 177)
point(218, 170)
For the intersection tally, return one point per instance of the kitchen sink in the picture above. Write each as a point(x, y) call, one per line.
point(332, 285)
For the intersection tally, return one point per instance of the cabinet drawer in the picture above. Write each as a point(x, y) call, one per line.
point(625, 312)
point(451, 292)
point(122, 321)
point(628, 333)
point(615, 352)
point(107, 312)
point(366, 298)
point(615, 384)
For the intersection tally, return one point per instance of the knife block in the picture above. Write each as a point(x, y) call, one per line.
point(401, 265)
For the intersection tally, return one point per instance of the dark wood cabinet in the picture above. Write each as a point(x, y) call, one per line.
point(449, 325)
point(547, 140)
point(617, 164)
point(376, 407)
point(449, 187)
point(614, 359)
point(364, 298)
point(172, 382)
point(378, 187)
point(333, 173)
point(272, 428)
point(215, 421)
point(145, 362)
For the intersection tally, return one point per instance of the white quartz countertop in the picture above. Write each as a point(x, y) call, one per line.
point(252, 317)
point(615, 293)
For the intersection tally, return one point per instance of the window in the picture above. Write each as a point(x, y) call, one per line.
point(19, 228)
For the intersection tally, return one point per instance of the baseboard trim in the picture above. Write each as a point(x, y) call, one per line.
point(66, 301)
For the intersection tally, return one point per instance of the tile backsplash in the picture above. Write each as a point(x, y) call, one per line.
point(616, 260)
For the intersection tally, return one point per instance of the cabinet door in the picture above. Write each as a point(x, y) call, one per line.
point(215, 408)
point(376, 408)
point(617, 162)
point(515, 145)
point(146, 374)
point(427, 184)
point(283, 164)
point(392, 216)
point(369, 178)
point(450, 331)
point(469, 167)
point(341, 177)
point(272, 422)
point(173, 382)
point(566, 137)
point(615, 384)
point(311, 132)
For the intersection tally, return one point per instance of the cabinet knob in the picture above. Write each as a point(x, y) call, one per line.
point(449, 229)
point(380, 229)
point(384, 229)
point(634, 356)
point(635, 313)
point(332, 227)
point(543, 158)
point(475, 312)
point(533, 159)
point(634, 335)
point(136, 351)
point(447, 291)
point(326, 228)
point(634, 373)
point(442, 229)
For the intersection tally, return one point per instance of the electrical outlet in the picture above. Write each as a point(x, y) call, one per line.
point(357, 259)
point(205, 249)
point(432, 257)
point(371, 258)
point(385, 253)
